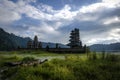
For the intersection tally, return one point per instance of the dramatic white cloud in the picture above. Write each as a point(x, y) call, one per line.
point(7, 14)
point(111, 1)
point(110, 36)
point(115, 33)
point(98, 21)
point(65, 13)
point(111, 20)
point(101, 6)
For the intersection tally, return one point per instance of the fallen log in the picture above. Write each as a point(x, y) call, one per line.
point(12, 64)
point(22, 63)
point(43, 61)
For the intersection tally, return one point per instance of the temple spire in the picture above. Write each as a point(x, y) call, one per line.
point(35, 42)
point(75, 41)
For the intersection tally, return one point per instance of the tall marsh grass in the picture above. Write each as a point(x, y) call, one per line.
point(92, 66)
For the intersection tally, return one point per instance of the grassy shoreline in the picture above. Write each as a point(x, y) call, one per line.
point(73, 67)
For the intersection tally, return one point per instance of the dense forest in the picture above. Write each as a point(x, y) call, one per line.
point(9, 41)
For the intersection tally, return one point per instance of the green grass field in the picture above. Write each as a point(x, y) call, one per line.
point(89, 66)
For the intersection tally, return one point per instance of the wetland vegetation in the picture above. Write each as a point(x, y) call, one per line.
point(91, 66)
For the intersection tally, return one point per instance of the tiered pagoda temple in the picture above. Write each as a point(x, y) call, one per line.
point(75, 41)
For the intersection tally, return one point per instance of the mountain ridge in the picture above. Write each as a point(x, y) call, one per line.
point(9, 41)
point(105, 47)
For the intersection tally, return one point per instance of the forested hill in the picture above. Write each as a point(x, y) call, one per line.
point(10, 41)
point(105, 47)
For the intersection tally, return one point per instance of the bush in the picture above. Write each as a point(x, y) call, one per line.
point(112, 57)
point(103, 55)
point(27, 59)
point(92, 56)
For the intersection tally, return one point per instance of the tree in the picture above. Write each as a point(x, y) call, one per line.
point(47, 48)
point(57, 45)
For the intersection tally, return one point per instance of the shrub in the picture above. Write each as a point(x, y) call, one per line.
point(112, 57)
point(27, 59)
point(92, 56)
point(103, 55)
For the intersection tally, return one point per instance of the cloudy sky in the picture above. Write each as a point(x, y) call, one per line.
point(52, 20)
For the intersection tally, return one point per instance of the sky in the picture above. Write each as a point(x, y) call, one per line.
point(52, 20)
